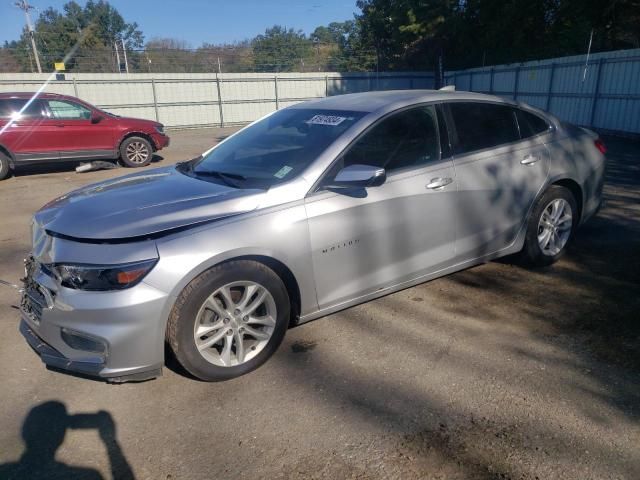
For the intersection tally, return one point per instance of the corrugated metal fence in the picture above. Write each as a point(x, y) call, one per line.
point(607, 98)
point(198, 100)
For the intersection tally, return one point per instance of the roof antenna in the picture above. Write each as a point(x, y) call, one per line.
point(586, 63)
point(448, 88)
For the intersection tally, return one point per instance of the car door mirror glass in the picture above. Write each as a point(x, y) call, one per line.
point(96, 118)
point(359, 176)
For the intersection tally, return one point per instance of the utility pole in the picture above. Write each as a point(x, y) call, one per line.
point(24, 5)
point(124, 51)
point(115, 44)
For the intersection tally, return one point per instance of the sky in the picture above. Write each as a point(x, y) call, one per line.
point(198, 21)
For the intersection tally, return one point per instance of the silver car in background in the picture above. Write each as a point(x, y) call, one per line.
point(310, 210)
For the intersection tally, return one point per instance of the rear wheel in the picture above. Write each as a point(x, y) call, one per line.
point(229, 320)
point(550, 227)
point(136, 152)
point(4, 166)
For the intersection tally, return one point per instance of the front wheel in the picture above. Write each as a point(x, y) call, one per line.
point(136, 152)
point(229, 320)
point(550, 227)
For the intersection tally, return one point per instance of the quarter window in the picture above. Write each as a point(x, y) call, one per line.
point(68, 110)
point(483, 125)
point(407, 139)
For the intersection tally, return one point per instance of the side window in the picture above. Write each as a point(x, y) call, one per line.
point(530, 124)
point(483, 125)
point(68, 111)
point(10, 108)
point(407, 139)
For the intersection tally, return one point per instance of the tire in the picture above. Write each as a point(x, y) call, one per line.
point(5, 169)
point(195, 312)
point(545, 244)
point(136, 152)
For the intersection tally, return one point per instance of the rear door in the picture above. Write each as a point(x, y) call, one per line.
point(499, 175)
point(28, 132)
point(80, 138)
point(369, 239)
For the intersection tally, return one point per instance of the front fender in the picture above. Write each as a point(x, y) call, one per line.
point(281, 235)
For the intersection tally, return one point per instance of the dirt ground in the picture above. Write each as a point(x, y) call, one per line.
point(496, 372)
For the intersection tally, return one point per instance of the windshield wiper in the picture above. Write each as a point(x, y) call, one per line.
point(227, 178)
point(186, 166)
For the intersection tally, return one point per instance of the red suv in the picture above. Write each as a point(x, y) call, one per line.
point(49, 127)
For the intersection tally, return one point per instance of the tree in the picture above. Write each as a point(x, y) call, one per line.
point(338, 47)
point(411, 34)
point(280, 49)
point(8, 60)
point(163, 54)
point(83, 36)
point(237, 57)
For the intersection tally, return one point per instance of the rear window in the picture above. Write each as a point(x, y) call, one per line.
point(11, 107)
point(530, 124)
point(483, 125)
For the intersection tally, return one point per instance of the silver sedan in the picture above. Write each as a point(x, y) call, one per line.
point(307, 211)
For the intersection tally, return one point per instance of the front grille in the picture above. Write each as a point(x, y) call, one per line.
point(33, 300)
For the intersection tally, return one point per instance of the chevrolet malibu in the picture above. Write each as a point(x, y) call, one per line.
point(307, 211)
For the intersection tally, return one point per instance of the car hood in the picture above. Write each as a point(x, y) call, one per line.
point(138, 122)
point(143, 204)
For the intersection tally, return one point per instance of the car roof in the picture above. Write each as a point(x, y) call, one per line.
point(369, 102)
point(23, 95)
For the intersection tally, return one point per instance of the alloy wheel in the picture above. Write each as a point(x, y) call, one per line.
point(235, 323)
point(554, 227)
point(137, 152)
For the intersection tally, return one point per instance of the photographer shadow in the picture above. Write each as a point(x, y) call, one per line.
point(43, 432)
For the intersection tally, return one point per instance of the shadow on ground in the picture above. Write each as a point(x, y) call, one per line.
point(43, 432)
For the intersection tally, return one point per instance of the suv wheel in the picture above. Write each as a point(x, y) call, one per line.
point(4, 166)
point(136, 152)
point(229, 320)
point(550, 227)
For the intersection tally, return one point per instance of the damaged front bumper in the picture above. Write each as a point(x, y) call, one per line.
point(115, 335)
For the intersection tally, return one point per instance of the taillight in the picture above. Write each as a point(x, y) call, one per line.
point(600, 146)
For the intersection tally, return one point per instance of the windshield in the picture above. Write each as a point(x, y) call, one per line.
point(275, 149)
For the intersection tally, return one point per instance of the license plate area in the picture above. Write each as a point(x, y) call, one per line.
point(33, 300)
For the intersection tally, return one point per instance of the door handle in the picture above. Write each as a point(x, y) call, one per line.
point(529, 159)
point(438, 183)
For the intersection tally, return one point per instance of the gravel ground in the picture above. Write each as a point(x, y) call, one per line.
point(493, 372)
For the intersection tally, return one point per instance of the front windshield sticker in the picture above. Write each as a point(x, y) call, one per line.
point(283, 171)
point(330, 120)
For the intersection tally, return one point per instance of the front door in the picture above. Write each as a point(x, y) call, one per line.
point(80, 138)
point(366, 240)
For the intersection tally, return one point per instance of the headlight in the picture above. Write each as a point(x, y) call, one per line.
point(160, 129)
point(101, 277)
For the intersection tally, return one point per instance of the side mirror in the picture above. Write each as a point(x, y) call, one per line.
point(359, 176)
point(96, 118)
